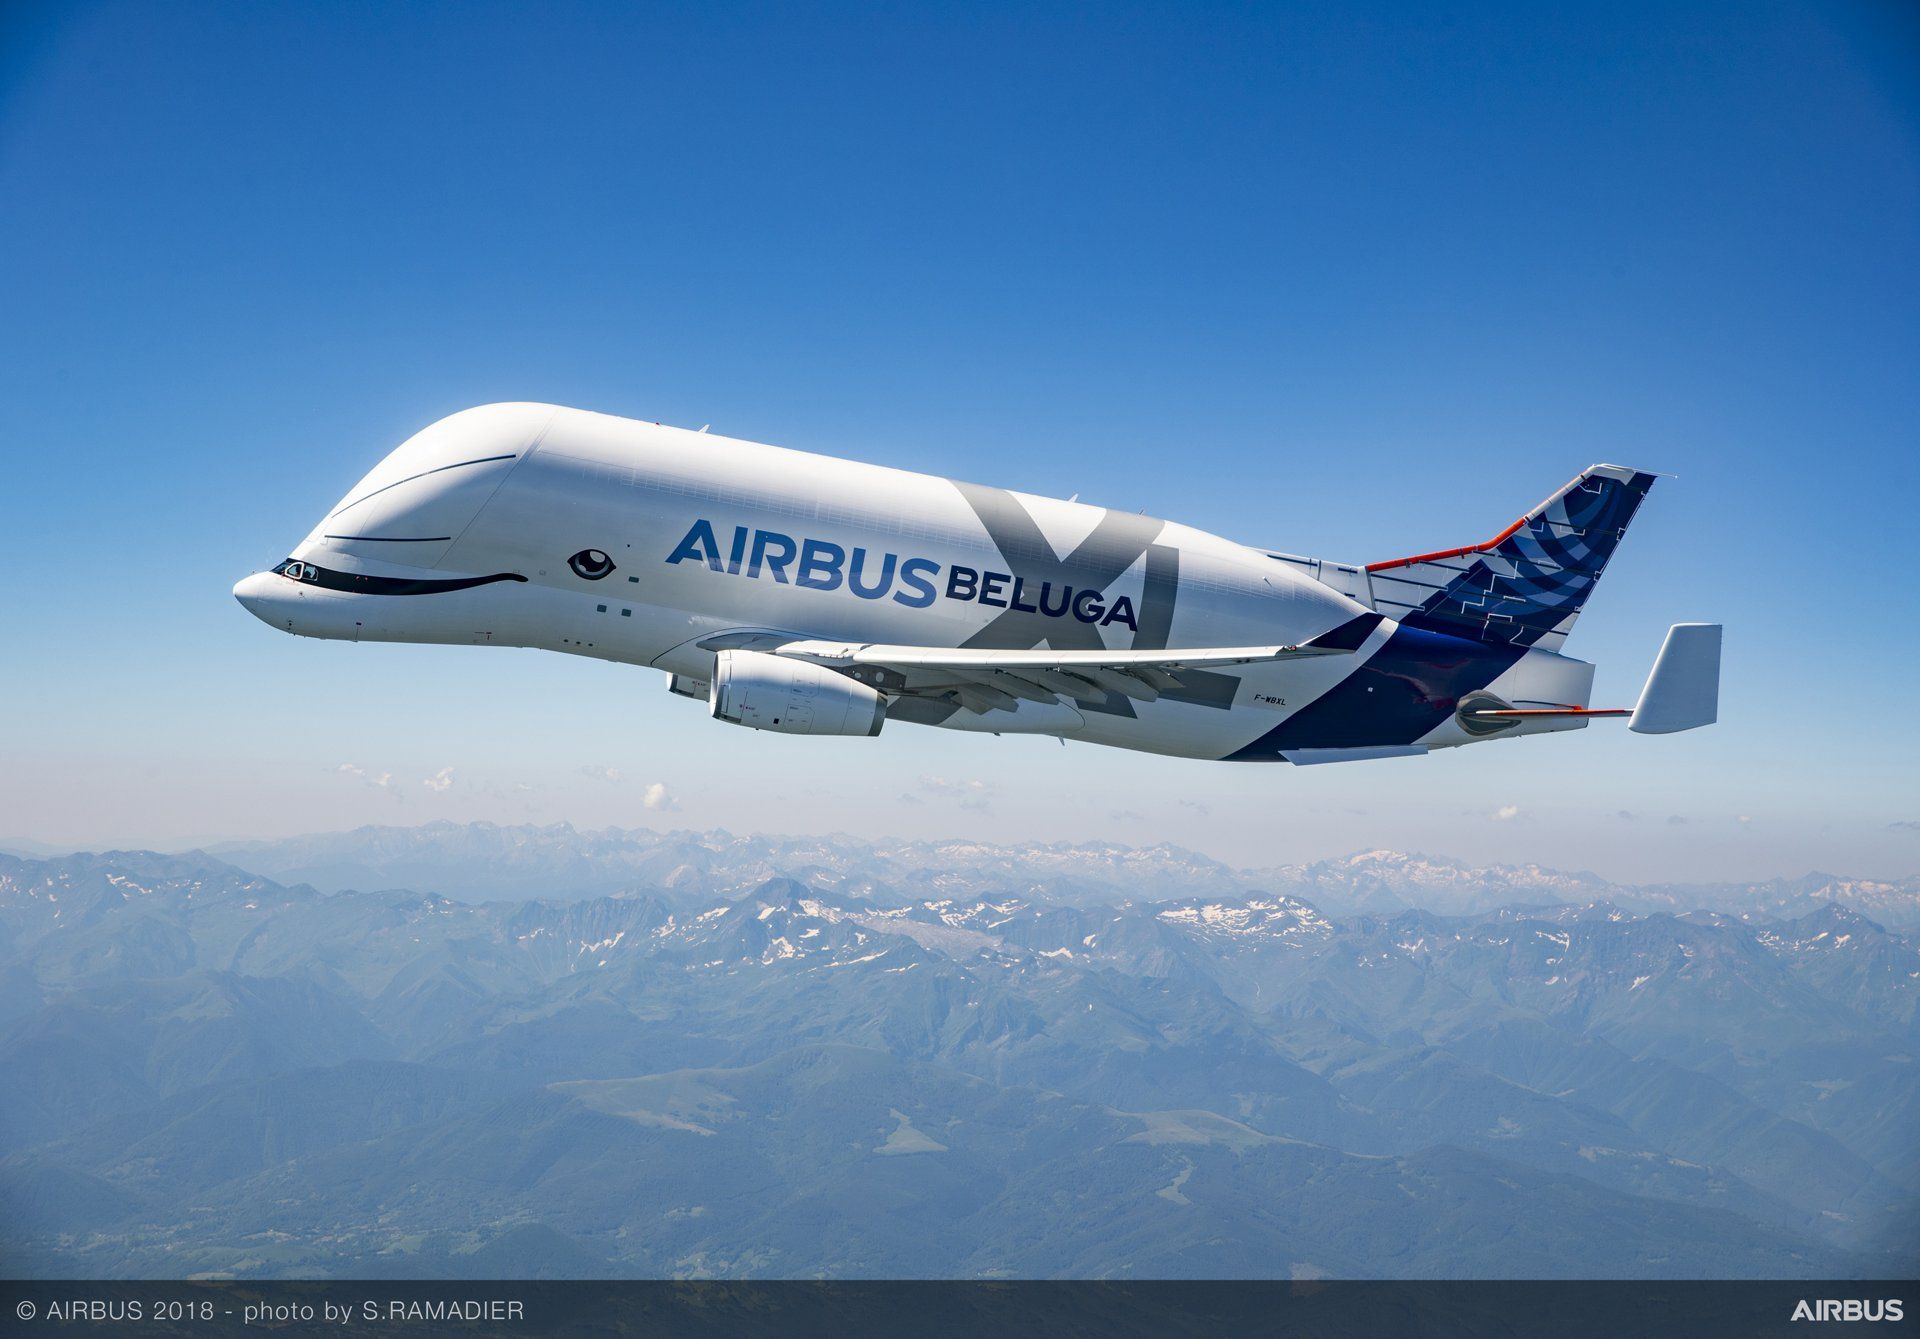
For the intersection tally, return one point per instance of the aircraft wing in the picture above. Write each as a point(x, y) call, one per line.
point(983, 678)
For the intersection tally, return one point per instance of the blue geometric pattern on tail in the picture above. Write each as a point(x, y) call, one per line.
point(1525, 586)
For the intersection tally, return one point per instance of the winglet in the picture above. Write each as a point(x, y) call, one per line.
point(1683, 692)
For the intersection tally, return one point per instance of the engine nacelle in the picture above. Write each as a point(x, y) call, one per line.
point(793, 697)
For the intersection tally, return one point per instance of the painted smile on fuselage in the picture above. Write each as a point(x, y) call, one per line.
point(358, 583)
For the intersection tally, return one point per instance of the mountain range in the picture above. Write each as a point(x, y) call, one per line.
point(477, 861)
point(753, 1056)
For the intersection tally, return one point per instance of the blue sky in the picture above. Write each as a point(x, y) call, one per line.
point(1346, 280)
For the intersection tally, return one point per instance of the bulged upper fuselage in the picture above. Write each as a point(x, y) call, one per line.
point(537, 526)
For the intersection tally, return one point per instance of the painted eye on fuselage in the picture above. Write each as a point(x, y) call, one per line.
point(590, 564)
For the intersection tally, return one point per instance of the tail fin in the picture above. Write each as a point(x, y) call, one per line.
point(1526, 585)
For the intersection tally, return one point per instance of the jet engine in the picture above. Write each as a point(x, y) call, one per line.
point(792, 697)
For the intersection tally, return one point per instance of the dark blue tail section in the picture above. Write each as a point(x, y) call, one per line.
point(1525, 586)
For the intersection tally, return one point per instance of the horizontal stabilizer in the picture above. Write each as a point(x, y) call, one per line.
point(1683, 692)
point(1537, 713)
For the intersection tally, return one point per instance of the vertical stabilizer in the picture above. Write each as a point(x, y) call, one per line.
point(1526, 585)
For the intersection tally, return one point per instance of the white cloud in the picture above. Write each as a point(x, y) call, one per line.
point(601, 773)
point(974, 795)
point(381, 780)
point(440, 780)
point(1506, 813)
point(656, 796)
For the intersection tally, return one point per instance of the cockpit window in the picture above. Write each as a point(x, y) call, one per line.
point(298, 570)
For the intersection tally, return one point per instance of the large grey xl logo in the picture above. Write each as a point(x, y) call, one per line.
point(1103, 557)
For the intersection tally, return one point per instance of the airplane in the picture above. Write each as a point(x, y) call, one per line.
point(808, 595)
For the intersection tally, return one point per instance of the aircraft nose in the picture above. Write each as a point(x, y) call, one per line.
point(255, 594)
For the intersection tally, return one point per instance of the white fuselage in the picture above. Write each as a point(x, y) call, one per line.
point(536, 526)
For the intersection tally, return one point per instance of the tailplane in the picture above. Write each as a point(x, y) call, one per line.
point(1683, 692)
point(1526, 585)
